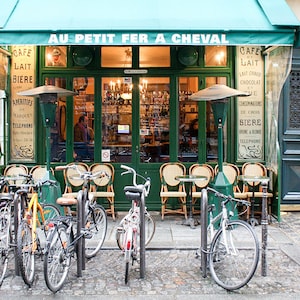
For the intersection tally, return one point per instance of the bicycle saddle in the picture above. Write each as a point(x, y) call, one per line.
point(133, 192)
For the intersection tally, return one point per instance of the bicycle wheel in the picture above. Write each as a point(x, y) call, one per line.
point(25, 253)
point(234, 268)
point(96, 223)
point(149, 230)
point(5, 240)
point(50, 212)
point(57, 258)
point(128, 251)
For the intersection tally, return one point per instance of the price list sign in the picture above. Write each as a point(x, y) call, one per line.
point(250, 110)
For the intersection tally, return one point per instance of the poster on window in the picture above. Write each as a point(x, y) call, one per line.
point(22, 107)
point(250, 110)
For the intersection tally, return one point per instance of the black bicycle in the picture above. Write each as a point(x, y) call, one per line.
point(62, 241)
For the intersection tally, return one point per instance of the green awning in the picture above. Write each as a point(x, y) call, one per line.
point(278, 12)
point(136, 22)
point(6, 10)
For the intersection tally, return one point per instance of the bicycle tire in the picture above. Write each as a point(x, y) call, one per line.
point(235, 269)
point(50, 211)
point(129, 236)
point(25, 255)
point(96, 223)
point(57, 258)
point(126, 272)
point(149, 230)
point(5, 240)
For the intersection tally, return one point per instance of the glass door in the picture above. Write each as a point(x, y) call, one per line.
point(154, 100)
point(117, 119)
point(141, 124)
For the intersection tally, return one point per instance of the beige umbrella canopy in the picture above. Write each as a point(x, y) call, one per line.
point(47, 89)
point(216, 92)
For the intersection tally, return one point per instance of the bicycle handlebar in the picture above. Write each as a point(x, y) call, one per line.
point(147, 183)
point(86, 175)
point(228, 197)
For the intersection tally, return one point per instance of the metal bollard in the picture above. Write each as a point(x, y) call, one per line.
point(83, 215)
point(264, 229)
point(16, 225)
point(142, 237)
point(79, 228)
point(204, 217)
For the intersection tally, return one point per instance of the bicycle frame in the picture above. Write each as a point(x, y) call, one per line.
point(131, 229)
point(223, 216)
point(34, 206)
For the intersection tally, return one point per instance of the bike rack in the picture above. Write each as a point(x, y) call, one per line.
point(81, 243)
point(142, 237)
point(204, 222)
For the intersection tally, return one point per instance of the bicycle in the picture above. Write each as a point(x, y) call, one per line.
point(128, 232)
point(149, 225)
point(6, 228)
point(30, 215)
point(62, 242)
point(232, 250)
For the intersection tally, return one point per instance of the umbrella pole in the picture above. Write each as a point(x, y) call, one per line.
point(48, 152)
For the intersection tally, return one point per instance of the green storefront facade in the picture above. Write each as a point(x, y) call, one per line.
point(133, 71)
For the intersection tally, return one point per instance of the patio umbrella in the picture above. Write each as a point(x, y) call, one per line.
point(48, 101)
point(219, 95)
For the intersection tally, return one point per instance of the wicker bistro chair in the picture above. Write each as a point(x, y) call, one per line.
point(103, 187)
point(172, 188)
point(200, 170)
point(254, 189)
point(73, 186)
point(15, 170)
point(38, 173)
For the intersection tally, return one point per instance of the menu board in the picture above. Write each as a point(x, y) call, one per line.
point(22, 107)
point(250, 110)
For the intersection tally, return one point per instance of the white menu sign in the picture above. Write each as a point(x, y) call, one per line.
point(250, 110)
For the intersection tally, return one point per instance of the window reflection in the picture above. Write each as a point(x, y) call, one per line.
point(188, 120)
point(116, 119)
point(83, 119)
point(116, 57)
point(58, 130)
point(154, 119)
point(154, 57)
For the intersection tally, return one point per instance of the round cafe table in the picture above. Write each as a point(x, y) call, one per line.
point(188, 180)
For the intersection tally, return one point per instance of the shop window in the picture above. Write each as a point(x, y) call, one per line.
point(116, 57)
point(215, 56)
point(116, 119)
point(151, 57)
point(56, 56)
point(188, 120)
point(154, 119)
point(83, 117)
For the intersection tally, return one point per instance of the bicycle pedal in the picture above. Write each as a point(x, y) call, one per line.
point(87, 234)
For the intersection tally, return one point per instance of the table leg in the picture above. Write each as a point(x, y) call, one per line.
point(190, 221)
